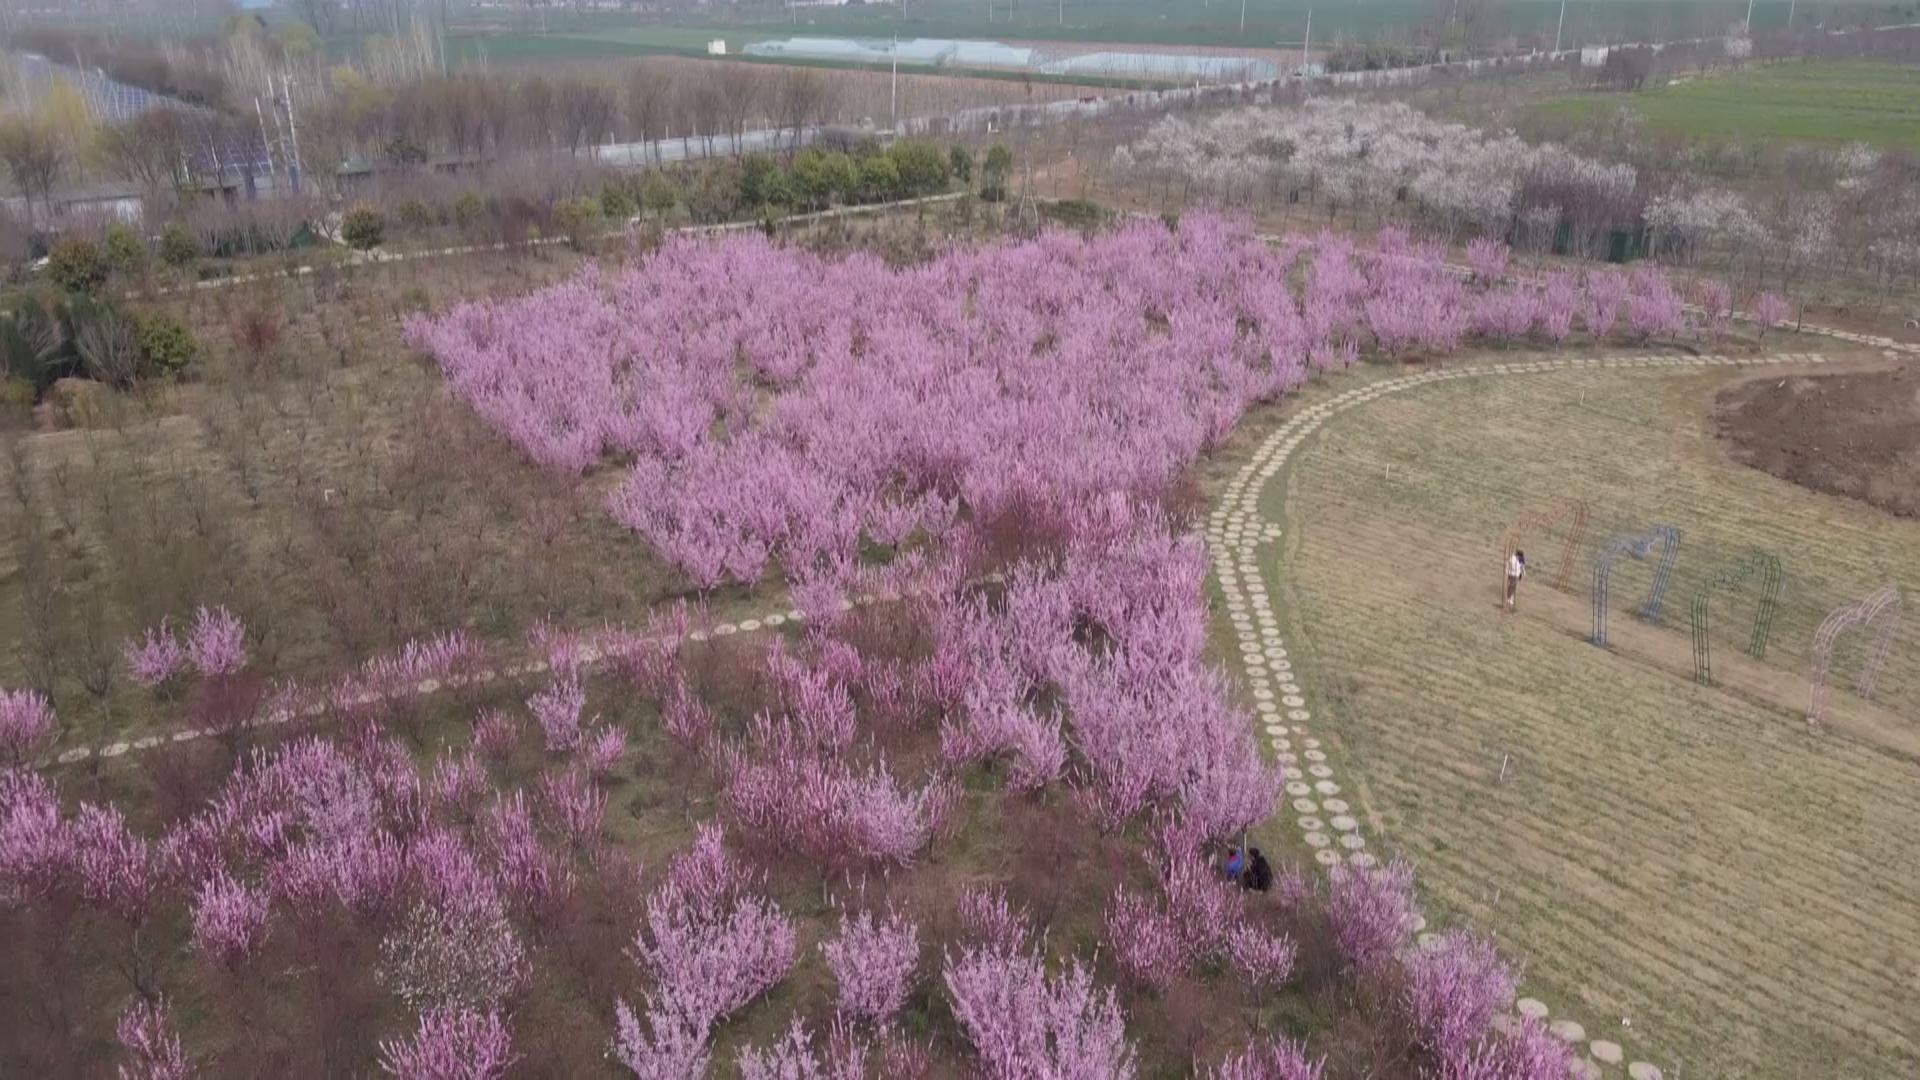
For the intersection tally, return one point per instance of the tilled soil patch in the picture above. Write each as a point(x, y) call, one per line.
point(1853, 434)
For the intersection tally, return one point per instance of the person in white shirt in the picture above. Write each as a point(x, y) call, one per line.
point(1516, 569)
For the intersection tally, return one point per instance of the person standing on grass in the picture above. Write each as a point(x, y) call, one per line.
point(1516, 569)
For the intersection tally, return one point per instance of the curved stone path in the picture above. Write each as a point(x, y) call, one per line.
point(1236, 531)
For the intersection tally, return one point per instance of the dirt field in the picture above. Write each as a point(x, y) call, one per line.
point(1854, 435)
point(1688, 869)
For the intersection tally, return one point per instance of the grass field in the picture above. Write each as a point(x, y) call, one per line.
point(1877, 104)
point(1690, 859)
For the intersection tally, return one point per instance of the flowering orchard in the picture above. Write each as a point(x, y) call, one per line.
point(994, 444)
point(1371, 156)
point(781, 409)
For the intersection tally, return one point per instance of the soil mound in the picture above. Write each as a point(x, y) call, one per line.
point(1853, 434)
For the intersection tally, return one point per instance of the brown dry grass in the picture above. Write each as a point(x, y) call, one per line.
point(327, 488)
point(1693, 859)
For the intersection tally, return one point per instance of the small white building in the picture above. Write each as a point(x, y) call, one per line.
point(1593, 56)
point(717, 47)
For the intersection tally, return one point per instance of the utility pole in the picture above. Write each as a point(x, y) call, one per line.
point(1790, 6)
point(1243, 16)
point(1305, 43)
point(293, 130)
point(893, 99)
point(1749, 18)
point(1562, 26)
point(266, 143)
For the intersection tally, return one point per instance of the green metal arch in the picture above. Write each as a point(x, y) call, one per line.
point(1764, 565)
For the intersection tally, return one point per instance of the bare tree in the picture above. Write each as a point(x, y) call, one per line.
point(35, 155)
point(648, 102)
point(321, 15)
point(701, 105)
point(800, 100)
point(152, 150)
point(739, 89)
point(584, 112)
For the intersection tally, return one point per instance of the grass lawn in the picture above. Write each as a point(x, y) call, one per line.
point(1691, 859)
point(1813, 102)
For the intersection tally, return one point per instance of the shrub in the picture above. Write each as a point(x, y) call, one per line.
point(879, 179)
point(32, 343)
point(126, 253)
point(80, 403)
point(659, 194)
point(177, 248)
point(76, 264)
point(16, 396)
point(578, 219)
point(960, 164)
point(616, 204)
point(1077, 213)
point(921, 167)
point(995, 173)
point(469, 210)
point(107, 344)
point(363, 228)
point(413, 214)
point(756, 175)
point(166, 344)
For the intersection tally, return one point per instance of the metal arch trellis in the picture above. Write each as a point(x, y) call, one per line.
point(1573, 512)
point(1638, 547)
point(1884, 604)
point(1767, 566)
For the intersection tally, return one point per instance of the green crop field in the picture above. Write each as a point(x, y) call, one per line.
point(1813, 102)
point(557, 35)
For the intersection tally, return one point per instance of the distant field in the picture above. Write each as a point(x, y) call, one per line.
point(1267, 23)
point(1822, 102)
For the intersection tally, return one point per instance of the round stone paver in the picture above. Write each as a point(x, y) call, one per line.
point(1531, 1008)
point(1584, 1070)
point(1568, 1030)
point(1606, 1051)
point(1645, 1070)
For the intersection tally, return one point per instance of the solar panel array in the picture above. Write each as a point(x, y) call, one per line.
point(222, 149)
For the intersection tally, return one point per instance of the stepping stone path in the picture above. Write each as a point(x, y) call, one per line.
point(1235, 534)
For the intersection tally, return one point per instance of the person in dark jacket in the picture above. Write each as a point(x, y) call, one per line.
point(1259, 874)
